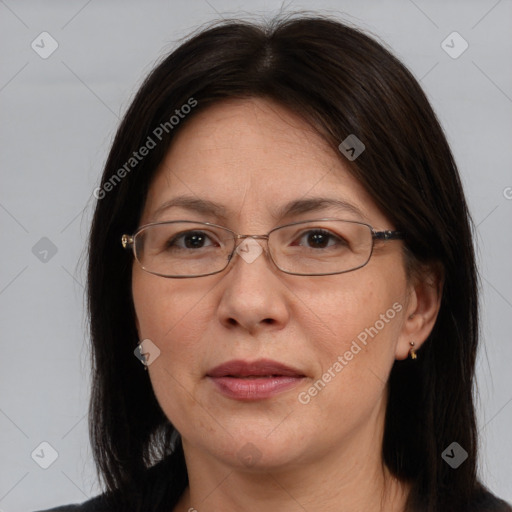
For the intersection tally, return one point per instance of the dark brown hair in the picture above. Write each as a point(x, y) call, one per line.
point(342, 82)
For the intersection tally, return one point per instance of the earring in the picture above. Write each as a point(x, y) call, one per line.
point(412, 352)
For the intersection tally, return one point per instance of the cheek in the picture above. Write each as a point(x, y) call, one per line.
point(164, 306)
point(353, 330)
point(174, 316)
point(345, 307)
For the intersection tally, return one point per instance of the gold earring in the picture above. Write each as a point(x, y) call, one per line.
point(412, 352)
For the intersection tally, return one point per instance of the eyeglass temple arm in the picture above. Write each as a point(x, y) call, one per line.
point(388, 235)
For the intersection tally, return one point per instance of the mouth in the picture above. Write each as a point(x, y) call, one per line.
point(257, 380)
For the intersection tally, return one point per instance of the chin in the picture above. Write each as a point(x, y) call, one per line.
point(260, 453)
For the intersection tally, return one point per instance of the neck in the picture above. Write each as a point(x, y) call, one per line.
point(349, 479)
point(296, 491)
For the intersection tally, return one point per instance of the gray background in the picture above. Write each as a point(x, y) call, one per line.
point(58, 118)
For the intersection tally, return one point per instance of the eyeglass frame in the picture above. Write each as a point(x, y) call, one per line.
point(128, 241)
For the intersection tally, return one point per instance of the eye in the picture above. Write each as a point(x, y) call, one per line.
point(190, 240)
point(320, 239)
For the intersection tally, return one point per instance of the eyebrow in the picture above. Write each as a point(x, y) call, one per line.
point(194, 204)
point(301, 206)
point(293, 208)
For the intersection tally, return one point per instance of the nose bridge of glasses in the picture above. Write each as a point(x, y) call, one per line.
point(243, 241)
point(240, 241)
point(256, 237)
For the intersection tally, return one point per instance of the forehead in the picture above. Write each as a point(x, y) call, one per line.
point(250, 122)
point(251, 156)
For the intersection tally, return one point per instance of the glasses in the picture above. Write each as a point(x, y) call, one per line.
point(320, 247)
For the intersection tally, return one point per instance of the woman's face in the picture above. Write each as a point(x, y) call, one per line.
point(338, 334)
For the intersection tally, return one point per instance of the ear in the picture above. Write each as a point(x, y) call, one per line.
point(425, 293)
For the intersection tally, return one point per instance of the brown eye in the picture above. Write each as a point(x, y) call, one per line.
point(320, 239)
point(190, 240)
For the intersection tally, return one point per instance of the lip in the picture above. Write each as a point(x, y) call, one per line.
point(256, 380)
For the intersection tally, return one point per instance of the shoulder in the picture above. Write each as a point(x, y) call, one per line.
point(97, 504)
point(160, 488)
point(488, 502)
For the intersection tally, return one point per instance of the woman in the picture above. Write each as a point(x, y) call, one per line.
point(282, 239)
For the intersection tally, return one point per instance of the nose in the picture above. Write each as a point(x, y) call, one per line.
point(254, 296)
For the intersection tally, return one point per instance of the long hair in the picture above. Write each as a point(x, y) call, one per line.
point(341, 82)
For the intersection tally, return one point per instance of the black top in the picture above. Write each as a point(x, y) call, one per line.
point(488, 504)
point(153, 493)
point(157, 497)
